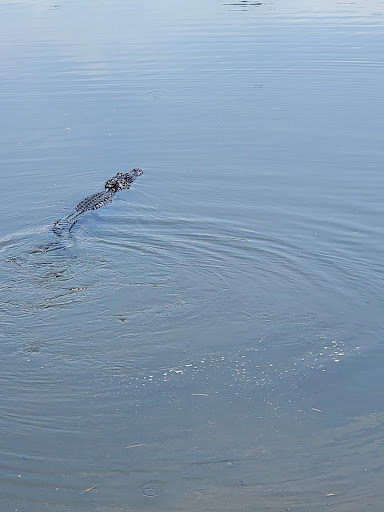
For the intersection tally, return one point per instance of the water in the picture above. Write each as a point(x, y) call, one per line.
point(211, 340)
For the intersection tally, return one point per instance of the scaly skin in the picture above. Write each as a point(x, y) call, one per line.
point(119, 182)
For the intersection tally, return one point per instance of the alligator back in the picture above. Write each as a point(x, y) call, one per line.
point(94, 201)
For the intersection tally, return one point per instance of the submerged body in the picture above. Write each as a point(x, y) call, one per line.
point(119, 182)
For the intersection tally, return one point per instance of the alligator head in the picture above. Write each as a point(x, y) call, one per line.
point(122, 181)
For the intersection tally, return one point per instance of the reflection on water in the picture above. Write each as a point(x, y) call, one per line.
point(211, 340)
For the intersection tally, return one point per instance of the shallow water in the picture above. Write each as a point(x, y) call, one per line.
point(212, 339)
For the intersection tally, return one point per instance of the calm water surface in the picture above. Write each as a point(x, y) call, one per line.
point(211, 340)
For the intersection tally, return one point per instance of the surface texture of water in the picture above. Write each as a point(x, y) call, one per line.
point(211, 340)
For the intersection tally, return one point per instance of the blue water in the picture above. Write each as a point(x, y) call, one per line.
point(212, 339)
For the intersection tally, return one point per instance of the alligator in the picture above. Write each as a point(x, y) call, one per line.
point(94, 201)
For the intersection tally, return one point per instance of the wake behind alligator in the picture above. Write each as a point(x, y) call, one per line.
point(94, 201)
